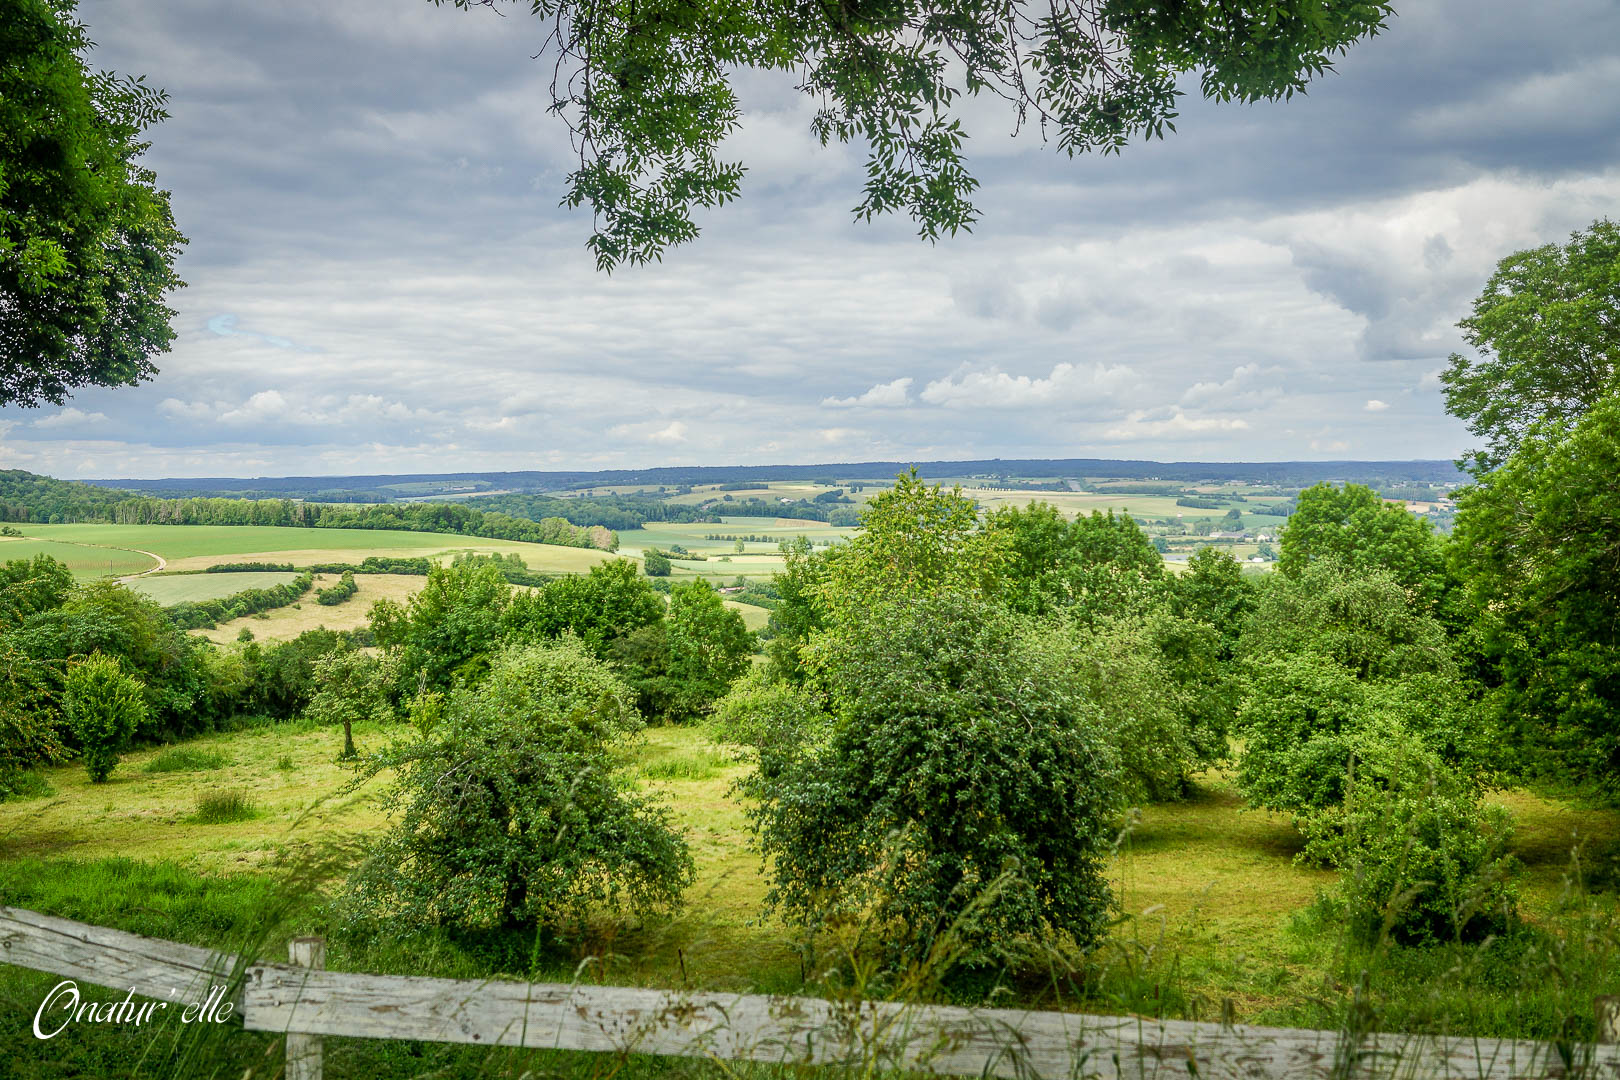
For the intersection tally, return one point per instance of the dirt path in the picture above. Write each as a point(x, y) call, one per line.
point(161, 563)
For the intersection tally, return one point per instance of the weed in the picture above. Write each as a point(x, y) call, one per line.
point(186, 759)
point(223, 807)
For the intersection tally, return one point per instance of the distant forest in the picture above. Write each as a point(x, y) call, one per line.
point(1295, 475)
point(536, 506)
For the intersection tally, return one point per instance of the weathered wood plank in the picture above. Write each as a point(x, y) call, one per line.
point(931, 1039)
point(937, 1039)
point(305, 1054)
point(111, 958)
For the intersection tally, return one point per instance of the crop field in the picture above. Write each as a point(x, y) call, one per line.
point(1203, 885)
point(87, 561)
point(169, 589)
point(192, 547)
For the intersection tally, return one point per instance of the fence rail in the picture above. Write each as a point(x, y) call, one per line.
point(305, 1002)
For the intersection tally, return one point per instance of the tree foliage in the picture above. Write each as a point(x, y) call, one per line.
point(645, 89)
point(1352, 525)
point(708, 645)
point(87, 242)
point(1538, 543)
point(958, 750)
point(514, 811)
point(1547, 333)
point(104, 708)
point(446, 630)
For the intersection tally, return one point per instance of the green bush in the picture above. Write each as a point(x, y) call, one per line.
point(1305, 717)
point(104, 707)
point(656, 563)
point(336, 594)
point(964, 795)
point(515, 810)
point(1420, 859)
point(775, 719)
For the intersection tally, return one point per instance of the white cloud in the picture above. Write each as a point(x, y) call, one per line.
point(70, 417)
point(890, 395)
point(262, 407)
point(1140, 426)
point(994, 388)
point(1374, 405)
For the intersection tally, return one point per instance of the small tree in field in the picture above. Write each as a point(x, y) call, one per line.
point(515, 811)
point(962, 797)
point(350, 686)
point(104, 707)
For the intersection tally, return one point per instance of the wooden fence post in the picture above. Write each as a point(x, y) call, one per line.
point(1608, 1018)
point(304, 1056)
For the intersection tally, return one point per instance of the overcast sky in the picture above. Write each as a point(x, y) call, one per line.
point(381, 279)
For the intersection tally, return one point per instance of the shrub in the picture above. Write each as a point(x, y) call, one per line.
point(1305, 716)
point(1420, 859)
point(1162, 709)
point(656, 563)
point(223, 807)
point(515, 811)
point(104, 708)
point(775, 719)
point(186, 759)
point(959, 750)
point(338, 593)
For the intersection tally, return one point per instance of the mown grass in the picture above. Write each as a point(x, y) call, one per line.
point(1215, 918)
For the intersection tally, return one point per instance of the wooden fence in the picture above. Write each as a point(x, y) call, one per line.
point(306, 1002)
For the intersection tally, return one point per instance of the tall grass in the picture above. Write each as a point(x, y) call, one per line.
point(186, 759)
point(223, 807)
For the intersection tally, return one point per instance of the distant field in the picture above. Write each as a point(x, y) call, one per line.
point(169, 589)
point(284, 624)
point(754, 618)
point(86, 562)
point(192, 547)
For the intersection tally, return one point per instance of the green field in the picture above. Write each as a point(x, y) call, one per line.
point(87, 561)
point(169, 589)
point(188, 547)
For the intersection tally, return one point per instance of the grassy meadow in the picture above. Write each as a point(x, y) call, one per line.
point(169, 589)
point(88, 561)
point(1214, 913)
point(193, 547)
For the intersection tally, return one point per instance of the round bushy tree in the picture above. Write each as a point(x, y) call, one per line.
point(104, 706)
point(514, 809)
point(963, 795)
point(708, 645)
point(1420, 859)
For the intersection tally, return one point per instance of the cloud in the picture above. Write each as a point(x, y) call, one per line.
point(264, 407)
point(996, 389)
point(884, 395)
point(388, 192)
point(70, 417)
point(1140, 425)
point(1374, 405)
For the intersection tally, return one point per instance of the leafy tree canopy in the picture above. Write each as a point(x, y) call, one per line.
point(87, 243)
point(515, 810)
point(960, 749)
point(1547, 331)
point(645, 88)
point(1356, 527)
point(1538, 544)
